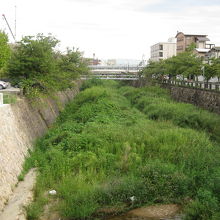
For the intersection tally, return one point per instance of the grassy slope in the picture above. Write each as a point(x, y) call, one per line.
point(102, 151)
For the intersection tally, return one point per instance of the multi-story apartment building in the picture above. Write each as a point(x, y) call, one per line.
point(185, 40)
point(163, 50)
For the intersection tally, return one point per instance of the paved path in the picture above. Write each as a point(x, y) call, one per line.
point(22, 196)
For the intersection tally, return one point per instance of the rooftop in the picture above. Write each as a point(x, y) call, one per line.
point(192, 35)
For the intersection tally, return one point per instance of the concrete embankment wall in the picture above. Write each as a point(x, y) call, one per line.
point(209, 100)
point(20, 124)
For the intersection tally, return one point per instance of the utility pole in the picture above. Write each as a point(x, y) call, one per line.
point(8, 27)
point(15, 22)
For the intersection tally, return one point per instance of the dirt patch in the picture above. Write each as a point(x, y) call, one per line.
point(50, 212)
point(21, 197)
point(157, 211)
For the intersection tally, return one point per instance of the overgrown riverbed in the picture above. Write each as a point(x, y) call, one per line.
point(103, 150)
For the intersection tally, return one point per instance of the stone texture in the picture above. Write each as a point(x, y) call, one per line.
point(209, 100)
point(21, 124)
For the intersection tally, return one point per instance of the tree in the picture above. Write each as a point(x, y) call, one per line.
point(72, 63)
point(212, 69)
point(185, 64)
point(5, 50)
point(32, 57)
point(154, 70)
point(39, 69)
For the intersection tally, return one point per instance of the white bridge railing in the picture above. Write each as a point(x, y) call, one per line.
point(122, 76)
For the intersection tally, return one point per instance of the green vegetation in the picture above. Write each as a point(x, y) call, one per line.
point(4, 52)
point(157, 105)
point(102, 150)
point(9, 98)
point(184, 65)
point(38, 67)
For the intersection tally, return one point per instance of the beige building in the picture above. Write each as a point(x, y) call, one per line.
point(214, 53)
point(163, 50)
point(185, 40)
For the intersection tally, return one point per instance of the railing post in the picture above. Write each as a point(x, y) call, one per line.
point(1, 99)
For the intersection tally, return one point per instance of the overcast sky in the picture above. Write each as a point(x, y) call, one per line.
point(113, 28)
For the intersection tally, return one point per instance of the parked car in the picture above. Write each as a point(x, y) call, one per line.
point(3, 85)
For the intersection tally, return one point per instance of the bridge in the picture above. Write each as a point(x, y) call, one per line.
point(115, 69)
point(114, 72)
point(115, 76)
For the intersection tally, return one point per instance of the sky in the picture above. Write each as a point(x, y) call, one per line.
point(112, 28)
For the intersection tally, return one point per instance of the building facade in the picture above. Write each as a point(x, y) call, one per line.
point(185, 40)
point(163, 50)
point(214, 53)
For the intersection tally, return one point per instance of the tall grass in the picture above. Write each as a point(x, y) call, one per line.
point(157, 105)
point(102, 151)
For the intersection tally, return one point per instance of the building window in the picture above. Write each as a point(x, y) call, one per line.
point(160, 54)
point(161, 47)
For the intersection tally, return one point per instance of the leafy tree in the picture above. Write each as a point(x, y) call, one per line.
point(154, 69)
point(38, 68)
point(185, 64)
point(191, 47)
point(216, 65)
point(209, 71)
point(33, 56)
point(5, 50)
point(72, 63)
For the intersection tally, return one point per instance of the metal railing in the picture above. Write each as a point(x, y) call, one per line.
point(122, 76)
point(195, 84)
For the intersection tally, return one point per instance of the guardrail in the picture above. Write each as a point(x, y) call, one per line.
point(1, 99)
point(195, 84)
point(112, 76)
point(7, 98)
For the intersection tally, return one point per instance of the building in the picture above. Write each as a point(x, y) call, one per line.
point(185, 40)
point(111, 62)
point(163, 50)
point(92, 61)
point(214, 53)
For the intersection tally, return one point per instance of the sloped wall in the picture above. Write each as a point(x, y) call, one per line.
point(20, 125)
point(206, 99)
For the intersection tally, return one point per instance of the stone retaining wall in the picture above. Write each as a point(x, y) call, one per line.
point(20, 124)
point(207, 99)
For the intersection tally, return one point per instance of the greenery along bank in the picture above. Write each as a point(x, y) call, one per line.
point(102, 150)
point(37, 66)
point(184, 65)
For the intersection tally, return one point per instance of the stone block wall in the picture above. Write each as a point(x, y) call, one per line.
point(20, 124)
point(209, 100)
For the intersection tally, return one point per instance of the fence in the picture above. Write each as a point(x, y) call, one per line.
point(195, 84)
point(1, 99)
point(6, 98)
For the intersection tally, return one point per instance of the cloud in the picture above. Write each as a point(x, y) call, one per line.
point(113, 28)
